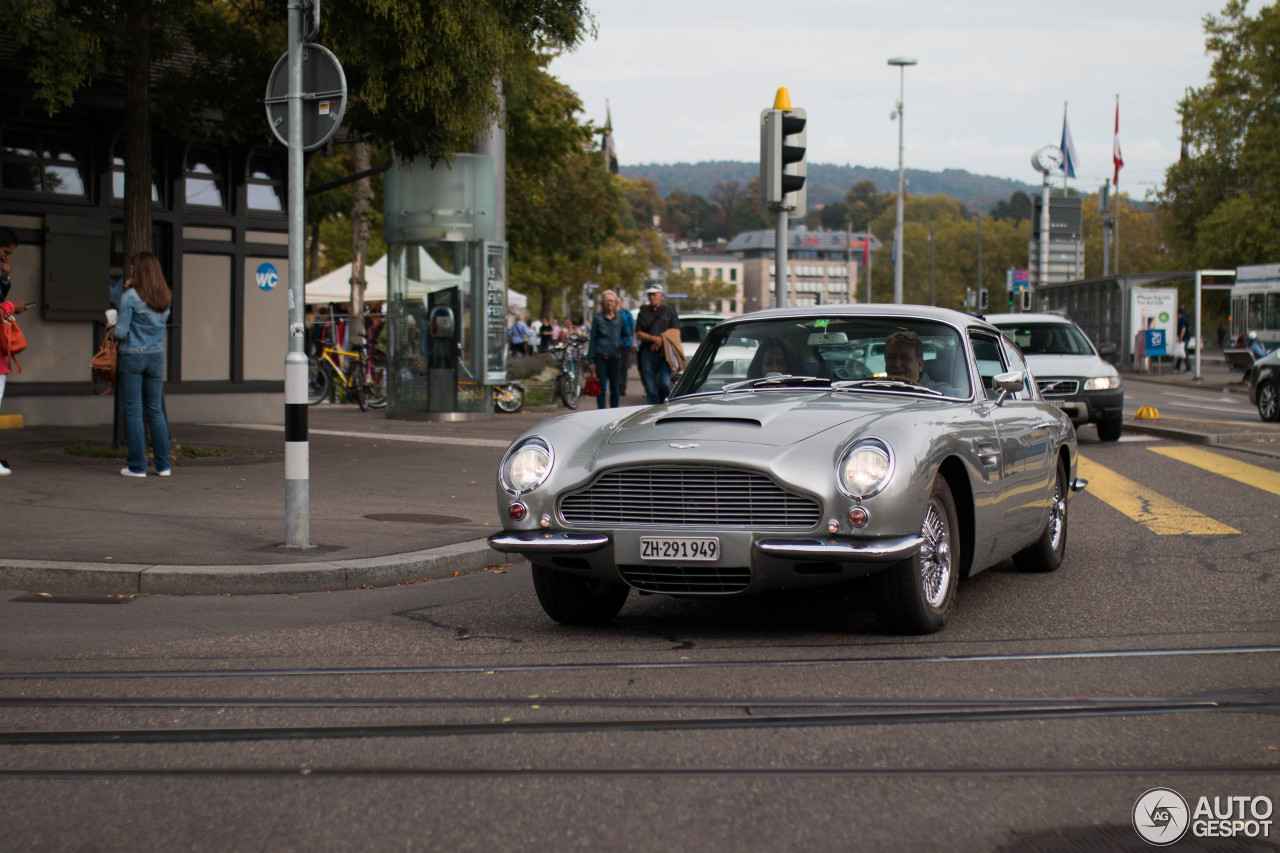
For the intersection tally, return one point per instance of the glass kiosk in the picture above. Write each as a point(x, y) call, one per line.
point(446, 291)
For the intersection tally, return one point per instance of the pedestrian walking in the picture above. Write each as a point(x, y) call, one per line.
point(1181, 342)
point(654, 319)
point(628, 346)
point(140, 326)
point(546, 335)
point(604, 349)
point(519, 335)
point(8, 242)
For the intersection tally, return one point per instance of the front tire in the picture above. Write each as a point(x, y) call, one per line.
point(317, 382)
point(1268, 401)
point(1048, 551)
point(570, 388)
point(508, 398)
point(1109, 430)
point(577, 601)
point(918, 595)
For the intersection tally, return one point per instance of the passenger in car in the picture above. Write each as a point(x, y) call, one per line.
point(904, 359)
point(775, 355)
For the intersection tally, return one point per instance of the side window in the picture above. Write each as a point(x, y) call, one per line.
point(986, 351)
point(1014, 359)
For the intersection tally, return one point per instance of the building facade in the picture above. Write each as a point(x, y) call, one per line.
point(823, 267)
point(710, 267)
point(219, 228)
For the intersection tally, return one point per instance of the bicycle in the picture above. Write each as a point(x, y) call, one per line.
point(507, 398)
point(569, 357)
point(363, 379)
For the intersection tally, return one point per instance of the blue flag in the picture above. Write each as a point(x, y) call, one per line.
point(1068, 147)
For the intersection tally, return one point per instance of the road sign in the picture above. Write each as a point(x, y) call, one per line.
point(324, 97)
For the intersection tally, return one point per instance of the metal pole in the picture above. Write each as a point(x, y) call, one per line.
point(980, 285)
point(897, 230)
point(297, 461)
point(1043, 277)
point(1106, 227)
point(780, 260)
point(933, 287)
point(870, 257)
point(1195, 328)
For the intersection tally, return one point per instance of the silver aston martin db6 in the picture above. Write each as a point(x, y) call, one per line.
point(802, 446)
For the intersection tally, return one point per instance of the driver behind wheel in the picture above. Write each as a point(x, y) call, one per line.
point(904, 359)
point(776, 356)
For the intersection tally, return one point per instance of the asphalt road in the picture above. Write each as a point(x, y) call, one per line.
point(453, 715)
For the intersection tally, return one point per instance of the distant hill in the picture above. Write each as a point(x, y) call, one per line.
point(828, 182)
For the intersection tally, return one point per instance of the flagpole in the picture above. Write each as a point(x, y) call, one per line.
point(1064, 133)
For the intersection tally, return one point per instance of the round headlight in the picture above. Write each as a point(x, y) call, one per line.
point(528, 467)
point(865, 470)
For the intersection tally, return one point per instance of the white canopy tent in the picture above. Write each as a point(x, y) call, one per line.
point(336, 286)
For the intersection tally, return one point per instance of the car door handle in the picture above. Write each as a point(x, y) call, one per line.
point(988, 455)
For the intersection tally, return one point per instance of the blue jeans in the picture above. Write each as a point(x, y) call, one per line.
point(656, 374)
point(141, 377)
point(607, 373)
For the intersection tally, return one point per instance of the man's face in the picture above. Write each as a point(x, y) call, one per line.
point(655, 298)
point(900, 359)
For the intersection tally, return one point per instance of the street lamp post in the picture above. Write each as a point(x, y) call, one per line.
point(902, 62)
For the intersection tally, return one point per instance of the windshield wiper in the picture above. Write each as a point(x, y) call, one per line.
point(885, 382)
point(782, 380)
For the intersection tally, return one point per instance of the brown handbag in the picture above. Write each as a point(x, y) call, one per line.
point(103, 366)
point(12, 341)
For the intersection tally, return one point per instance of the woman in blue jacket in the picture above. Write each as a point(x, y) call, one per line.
point(144, 311)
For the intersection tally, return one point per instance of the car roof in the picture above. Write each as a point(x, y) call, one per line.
point(908, 312)
point(1027, 317)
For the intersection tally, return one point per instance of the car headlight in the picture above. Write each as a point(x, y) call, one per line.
point(1102, 383)
point(527, 467)
point(865, 469)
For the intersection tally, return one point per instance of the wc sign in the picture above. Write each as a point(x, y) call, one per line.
point(267, 277)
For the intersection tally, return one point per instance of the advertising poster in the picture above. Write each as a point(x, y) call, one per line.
point(1153, 308)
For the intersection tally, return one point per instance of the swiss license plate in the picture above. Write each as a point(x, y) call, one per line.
point(682, 548)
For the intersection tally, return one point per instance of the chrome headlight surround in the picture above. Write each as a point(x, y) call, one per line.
point(865, 469)
point(1102, 383)
point(526, 466)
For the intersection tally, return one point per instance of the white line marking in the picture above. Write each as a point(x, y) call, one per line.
point(380, 436)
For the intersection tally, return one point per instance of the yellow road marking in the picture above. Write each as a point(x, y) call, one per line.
point(1154, 511)
point(1216, 463)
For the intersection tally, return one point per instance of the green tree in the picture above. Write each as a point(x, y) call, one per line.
point(688, 214)
point(1222, 194)
point(421, 76)
point(702, 294)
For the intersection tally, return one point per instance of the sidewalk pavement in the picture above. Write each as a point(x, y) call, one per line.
point(390, 502)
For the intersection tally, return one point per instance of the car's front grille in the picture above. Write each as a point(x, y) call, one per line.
point(687, 580)
point(1058, 387)
point(696, 497)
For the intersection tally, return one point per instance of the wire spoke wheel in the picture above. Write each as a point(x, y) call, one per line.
point(317, 381)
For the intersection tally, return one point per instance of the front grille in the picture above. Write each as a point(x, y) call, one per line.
point(701, 497)
point(1058, 387)
point(687, 580)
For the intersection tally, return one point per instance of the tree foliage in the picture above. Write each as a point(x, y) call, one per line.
point(1222, 195)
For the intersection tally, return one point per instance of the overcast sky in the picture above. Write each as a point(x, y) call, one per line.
point(686, 79)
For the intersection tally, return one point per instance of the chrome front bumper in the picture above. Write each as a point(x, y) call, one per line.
point(831, 549)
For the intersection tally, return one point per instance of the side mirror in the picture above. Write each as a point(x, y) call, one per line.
point(1107, 350)
point(1007, 383)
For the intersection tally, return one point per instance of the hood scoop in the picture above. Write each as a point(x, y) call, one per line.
point(693, 420)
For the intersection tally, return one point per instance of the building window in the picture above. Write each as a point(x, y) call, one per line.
point(733, 274)
point(117, 172)
point(205, 178)
point(265, 182)
point(43, 162)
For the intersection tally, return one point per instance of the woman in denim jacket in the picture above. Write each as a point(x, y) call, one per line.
point(144, 311)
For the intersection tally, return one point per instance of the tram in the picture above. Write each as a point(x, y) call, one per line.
point(1255, 303)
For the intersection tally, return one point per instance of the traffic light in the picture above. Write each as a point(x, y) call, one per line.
point(1012, 294)
point(1026, 300)
point(982, 300)
point(782, 157)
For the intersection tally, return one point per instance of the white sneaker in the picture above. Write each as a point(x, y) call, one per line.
point(4, 470)
point(166, 472)
point(127, 473)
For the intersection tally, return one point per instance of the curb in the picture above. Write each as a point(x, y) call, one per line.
point(322, 576)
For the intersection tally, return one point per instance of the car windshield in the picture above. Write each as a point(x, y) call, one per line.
point(878, 354)
point(1048, 338)
point(694, 329)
